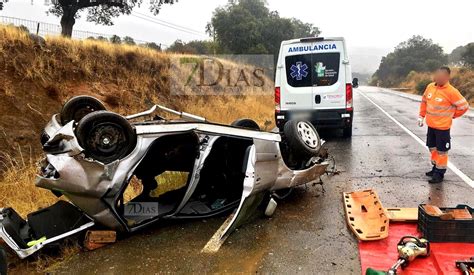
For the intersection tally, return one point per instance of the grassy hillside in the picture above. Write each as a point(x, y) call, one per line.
point(37, 79)
point(462, 79)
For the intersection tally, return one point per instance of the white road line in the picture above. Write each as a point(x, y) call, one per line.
point(451, 166)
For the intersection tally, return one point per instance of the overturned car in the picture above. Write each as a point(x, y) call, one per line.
point(123, 173)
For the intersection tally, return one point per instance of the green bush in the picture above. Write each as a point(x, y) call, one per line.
point(421, 85)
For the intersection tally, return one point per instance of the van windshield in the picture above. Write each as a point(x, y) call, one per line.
point(317, 69)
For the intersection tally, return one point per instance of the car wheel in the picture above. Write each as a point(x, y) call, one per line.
point(347, 132)
point(78, 107)
point(106, 136)
point(246, 123)
point(302, 138)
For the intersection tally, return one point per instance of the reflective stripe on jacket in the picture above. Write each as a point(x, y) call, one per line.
point(440, 104)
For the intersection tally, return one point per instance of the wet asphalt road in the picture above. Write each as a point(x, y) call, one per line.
point(308, 233)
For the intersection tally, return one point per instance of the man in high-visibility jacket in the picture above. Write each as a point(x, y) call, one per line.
point(441, 103)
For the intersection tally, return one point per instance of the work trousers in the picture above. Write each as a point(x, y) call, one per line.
point(439, 143)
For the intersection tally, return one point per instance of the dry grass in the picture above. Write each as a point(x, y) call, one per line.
point(17, 190)
point(462, 79)
point(43, 263)
point(37, 79)
point(17, 187)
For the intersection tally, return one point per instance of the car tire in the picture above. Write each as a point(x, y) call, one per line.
point(106, 136)
point(302, 138)
point(246, 123)
point(78, 107)
point(347, 132)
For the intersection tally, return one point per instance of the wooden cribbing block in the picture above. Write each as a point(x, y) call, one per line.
point(98, 239)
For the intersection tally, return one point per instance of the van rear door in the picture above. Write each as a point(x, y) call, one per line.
point(296, 81)
point(329, 79)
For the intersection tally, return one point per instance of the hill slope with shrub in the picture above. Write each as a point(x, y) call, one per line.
point(462, 79)
point(38, 78)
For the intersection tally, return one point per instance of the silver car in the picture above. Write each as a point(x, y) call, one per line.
point(123, 173)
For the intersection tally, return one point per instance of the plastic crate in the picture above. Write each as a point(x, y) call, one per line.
point(436, 230)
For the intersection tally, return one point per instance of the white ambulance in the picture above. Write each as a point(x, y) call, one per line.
point(314, 82)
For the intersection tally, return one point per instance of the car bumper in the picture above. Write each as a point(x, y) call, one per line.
point(337, 118)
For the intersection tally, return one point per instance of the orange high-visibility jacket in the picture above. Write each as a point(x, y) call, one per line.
point(440, 104)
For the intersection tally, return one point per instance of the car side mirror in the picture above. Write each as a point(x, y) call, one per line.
point(355, 82)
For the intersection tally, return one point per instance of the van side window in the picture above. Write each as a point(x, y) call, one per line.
point(318, 69)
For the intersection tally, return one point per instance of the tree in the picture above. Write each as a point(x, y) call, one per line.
point(179, 46)
point(98, 11)
point(467, 58)
point(302, 29)
point(192, 47)
point(416, 54)
point(128, 40)
point(115, 39)
point(101, 38)
point(455, 56)
point(153, 46)
point(249, 27)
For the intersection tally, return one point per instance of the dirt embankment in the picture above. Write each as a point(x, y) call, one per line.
point(462, 79)
point(37, 79)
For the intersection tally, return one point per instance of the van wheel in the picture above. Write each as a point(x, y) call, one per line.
point(106, 136)
point(347, 132)
point(246, 123)
point(78, 107)
point(302, 138)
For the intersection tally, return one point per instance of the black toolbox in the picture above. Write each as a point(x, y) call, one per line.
point(436, 230)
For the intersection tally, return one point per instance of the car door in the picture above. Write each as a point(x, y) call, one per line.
point(260, 175)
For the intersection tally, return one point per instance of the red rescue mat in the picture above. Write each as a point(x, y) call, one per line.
point(382, 254)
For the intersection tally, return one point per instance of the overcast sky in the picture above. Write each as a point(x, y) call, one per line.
point(366, 24)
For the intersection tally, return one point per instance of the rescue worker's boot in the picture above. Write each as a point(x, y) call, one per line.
point(437, 178)
point(431, 173)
